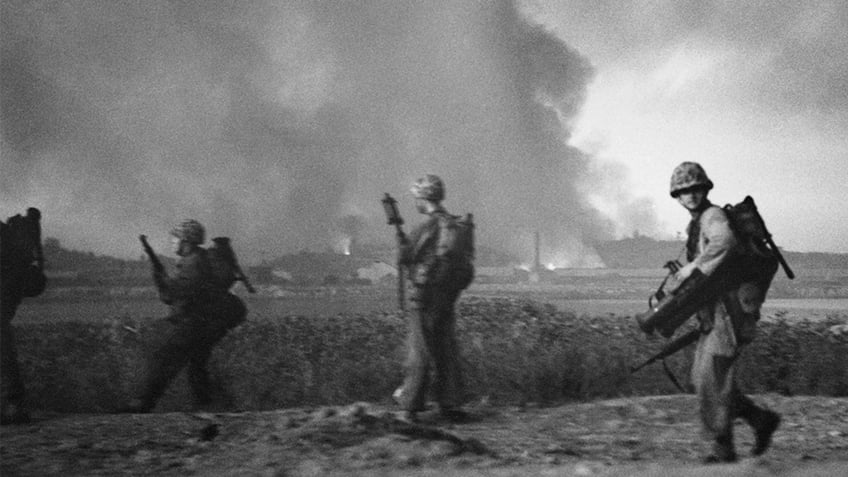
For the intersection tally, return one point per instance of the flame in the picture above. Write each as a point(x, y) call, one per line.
point(342, 245)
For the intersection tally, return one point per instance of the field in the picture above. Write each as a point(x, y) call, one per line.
point(542, 372)
point(83, 350)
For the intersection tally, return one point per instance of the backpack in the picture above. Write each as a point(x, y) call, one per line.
point(223, 262)
point(225, 272)
point(20, 247)
point(455, 252)
point(757, 256)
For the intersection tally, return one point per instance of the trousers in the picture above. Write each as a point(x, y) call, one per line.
point(432, 347)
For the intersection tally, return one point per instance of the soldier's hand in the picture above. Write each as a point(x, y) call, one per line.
point(685, 271)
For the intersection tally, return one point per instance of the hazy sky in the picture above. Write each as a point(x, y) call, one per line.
point(281, 124)
point(756, 91)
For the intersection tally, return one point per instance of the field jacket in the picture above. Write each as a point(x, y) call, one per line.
point(190, 289)
point(732, 318)
point(418, 252)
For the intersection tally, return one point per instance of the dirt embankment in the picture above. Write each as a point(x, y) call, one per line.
point(647, 436)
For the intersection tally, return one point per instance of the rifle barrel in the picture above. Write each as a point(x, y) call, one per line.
point(672, 347)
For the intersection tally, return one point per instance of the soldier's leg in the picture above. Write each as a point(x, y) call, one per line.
point(198, 375)
point(198, 372)
point(763, 421)
point(743, 306)
point(447, 383)
point(412, 396)
point(163, 366)
point(13, 391)
point(713, 377)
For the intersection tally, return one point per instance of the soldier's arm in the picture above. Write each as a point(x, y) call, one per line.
point(719, 240)
point(411, 249)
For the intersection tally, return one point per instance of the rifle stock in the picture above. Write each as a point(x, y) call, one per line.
point(669, 349)
point(154, 259)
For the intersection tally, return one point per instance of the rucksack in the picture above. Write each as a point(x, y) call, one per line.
point(223, 262)
point(757, 256)
point(20, 248)
point(225, 272)
point(455, 251)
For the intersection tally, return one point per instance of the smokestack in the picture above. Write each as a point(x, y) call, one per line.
point(537, 261)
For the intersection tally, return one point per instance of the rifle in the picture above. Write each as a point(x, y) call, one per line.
point(669, 349)
point(158, 268)
point(241, 277)
point(393, 217)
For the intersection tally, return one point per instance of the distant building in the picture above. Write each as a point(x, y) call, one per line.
point(377, 272)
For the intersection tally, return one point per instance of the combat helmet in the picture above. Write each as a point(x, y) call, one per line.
point(191, 231)
point(687, 175)
point(429, 187)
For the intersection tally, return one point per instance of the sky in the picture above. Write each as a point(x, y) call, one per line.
point(755, 91)
point(282, 124)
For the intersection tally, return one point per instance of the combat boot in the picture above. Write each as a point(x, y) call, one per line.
point(723, 452)
point(764, 426)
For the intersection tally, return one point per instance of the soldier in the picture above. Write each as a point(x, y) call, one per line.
point(432, 343)
point(726, 325)
point(202, 313)
point(22, 275)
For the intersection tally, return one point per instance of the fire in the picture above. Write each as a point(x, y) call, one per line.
point(342, 245)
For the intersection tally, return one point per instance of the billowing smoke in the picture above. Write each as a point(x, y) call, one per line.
point(281, 124)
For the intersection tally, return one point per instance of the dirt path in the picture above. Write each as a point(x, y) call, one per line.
point(648, 436)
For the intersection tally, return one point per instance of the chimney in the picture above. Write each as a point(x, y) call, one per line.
point(537, 261)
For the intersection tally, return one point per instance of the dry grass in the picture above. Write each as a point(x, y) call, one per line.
point(514, 351)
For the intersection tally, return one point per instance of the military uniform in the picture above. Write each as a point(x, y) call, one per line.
point(431, 342)
point(201, 316)
point(16, 283)
point(13, 390)
point(726, 325)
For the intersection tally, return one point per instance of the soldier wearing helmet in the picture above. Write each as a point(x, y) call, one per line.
point(431, 341)
point(725, 325)
point(196, 304)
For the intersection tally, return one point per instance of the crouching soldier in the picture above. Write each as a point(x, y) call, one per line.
point(726, 324)
point(201, 314)
point(438, 254)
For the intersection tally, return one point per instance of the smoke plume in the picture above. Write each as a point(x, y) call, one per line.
point(276, 122)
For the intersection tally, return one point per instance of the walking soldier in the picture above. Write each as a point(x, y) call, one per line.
point(438, 254)
point(726, 324)
point(201, 313)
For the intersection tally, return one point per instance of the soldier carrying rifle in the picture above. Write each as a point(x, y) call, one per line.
point(727, 322)
point(438, 255)
point(202, 312)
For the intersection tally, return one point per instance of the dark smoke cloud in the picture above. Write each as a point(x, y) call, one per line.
point(276, 123)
